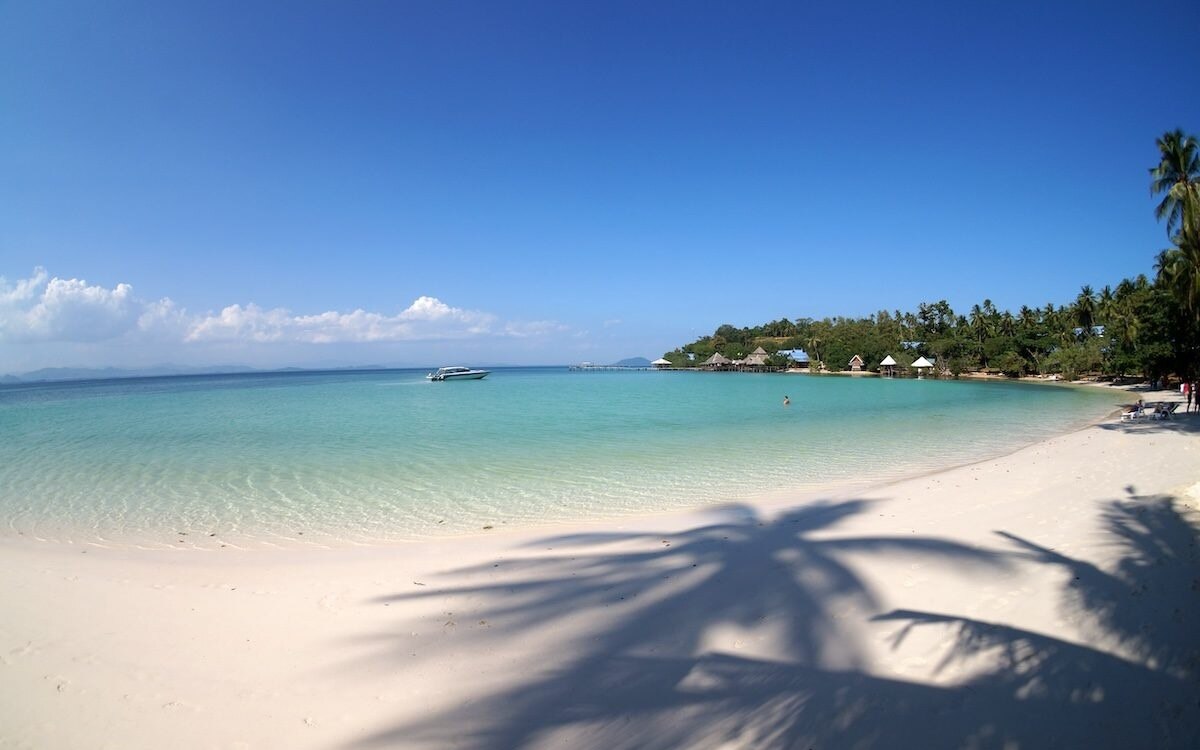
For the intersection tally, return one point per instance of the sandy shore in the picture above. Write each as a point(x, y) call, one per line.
point(1049, 598)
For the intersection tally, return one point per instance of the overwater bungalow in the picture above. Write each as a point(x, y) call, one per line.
point(756, 360)
point(717, 361)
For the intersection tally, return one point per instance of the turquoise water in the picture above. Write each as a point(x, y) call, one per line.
point(379, 456)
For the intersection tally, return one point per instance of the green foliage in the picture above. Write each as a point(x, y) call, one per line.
point(677, 358)
point(1138, 326)
point(1177, 179)
point(778, 360)
point(1077, 359)
point(1143, 323)
point(1178, 169)
point(1011, 364)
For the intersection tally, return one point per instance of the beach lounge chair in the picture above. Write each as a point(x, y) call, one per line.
point(1164, 411)
point(1134, 413)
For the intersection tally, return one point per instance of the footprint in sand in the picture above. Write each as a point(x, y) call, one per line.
point(19, 652)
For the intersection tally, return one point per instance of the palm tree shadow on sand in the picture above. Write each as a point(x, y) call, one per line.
point(650, 677)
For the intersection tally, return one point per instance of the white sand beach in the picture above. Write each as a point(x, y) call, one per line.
point(1048, 598)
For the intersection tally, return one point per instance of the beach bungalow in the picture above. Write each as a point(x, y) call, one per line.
point(888, 367)
point(756, 359)
point(717, 361)
point(856, 363)
point(798, 357)
point(661, 364)
point(921, 366)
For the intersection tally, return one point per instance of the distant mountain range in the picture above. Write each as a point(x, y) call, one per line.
point(47, 374)
point(55, 374)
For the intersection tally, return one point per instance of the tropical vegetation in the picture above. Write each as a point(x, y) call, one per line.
point(1139, 327)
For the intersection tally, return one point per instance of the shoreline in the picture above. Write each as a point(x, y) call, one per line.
point(867, 612)
point(291, 548)
point(226, 542)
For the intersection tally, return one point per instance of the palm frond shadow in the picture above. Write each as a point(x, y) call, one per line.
point(1136, 681)
point(649, 680)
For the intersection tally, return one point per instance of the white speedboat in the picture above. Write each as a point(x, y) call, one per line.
point(457, 373)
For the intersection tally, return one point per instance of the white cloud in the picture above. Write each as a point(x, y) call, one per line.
point(41, 308)
point(426, 319)
point(429, 308)
point(163, 319)
point(45, 309)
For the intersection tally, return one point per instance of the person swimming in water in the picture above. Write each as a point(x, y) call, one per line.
point(787, 401)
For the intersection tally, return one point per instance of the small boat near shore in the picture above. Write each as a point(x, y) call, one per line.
point(457, 373)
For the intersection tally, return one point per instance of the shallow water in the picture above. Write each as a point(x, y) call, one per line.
point(377, 456)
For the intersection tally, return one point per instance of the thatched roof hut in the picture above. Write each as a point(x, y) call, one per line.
point(757, 358)
point(888, 365)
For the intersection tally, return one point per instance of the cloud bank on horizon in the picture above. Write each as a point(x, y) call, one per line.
point(45, 309)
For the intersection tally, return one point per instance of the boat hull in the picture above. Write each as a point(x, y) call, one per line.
point(464, 376)
point(457, 373)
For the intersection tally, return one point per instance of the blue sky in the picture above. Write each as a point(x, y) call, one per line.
point(550, 182)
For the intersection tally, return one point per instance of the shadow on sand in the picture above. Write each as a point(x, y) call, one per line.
point(649, 678)
point(1184, 423)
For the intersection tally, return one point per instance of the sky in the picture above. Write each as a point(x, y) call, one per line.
point(441, 182)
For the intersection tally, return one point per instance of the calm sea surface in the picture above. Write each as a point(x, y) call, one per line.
point(377, 456)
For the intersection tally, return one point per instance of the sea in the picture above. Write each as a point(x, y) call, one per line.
point(377, 457)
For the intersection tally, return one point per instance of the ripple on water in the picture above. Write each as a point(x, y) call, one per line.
point(329, 458)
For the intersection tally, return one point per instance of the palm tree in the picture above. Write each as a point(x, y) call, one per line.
point(1181, 264)
point(982, 326)
point(1085, 311)
point(1176, 175)
point(1008, 325)
point(1105, 304)
point(1122, 324)
point(814, 353)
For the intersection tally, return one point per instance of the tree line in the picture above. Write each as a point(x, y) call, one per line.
point(1140, 327)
